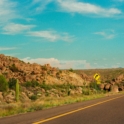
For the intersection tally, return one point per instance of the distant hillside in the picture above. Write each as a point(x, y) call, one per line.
point(106, 74)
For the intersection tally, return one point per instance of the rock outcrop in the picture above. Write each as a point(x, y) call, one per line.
point(12, 67)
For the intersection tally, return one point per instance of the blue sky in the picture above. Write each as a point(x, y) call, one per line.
point(78, 34)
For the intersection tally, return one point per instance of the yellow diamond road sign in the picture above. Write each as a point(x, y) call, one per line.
point(96, 76)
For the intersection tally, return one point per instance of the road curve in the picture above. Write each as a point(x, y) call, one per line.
point(108, 110)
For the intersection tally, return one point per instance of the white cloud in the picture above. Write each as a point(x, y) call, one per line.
point(41, 4)
point(7, 48)
point(7, 10)
point(62, 64)
point(74, 6)
point(105, 35)
point(67, 64)
point(67, 37)
point(51, 35)
point(13, 28)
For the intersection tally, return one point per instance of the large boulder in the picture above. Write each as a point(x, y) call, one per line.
point(114, 88)
point(101, 86)
point(107, 86)
point(121, 88)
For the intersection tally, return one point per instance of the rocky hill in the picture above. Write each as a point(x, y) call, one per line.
point(110, 78)
point(12, 67)
point(39, 81)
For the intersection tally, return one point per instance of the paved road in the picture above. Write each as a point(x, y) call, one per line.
point(108, 110)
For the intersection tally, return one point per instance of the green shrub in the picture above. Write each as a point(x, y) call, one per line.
point(68, 86)
point(27, 84)
point(12, 83)
point(58, 74)
point(86, 91)
point(13, 68)
point(34, 83)
point(47, 94)
point(46, 86)
point(69, 92)
point(94, 85)
point(72, 86)
point(31, 84)
point(44, 68)
point(60, 71)
point(71, 70)
point(3, 84)
point(33, 97)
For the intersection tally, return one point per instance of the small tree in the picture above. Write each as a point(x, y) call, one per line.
point(3, 84)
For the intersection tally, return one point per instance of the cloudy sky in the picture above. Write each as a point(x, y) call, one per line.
point(78, 34)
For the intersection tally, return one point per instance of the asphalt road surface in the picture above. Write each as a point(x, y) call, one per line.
point(108, 110)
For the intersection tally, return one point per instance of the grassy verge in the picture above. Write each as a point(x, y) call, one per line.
point(47, 102)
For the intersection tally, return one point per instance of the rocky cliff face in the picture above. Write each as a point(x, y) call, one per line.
point(12, 67)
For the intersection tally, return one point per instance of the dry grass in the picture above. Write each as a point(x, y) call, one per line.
point(47, 102)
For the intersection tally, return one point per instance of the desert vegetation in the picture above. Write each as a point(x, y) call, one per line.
point(26, 87)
